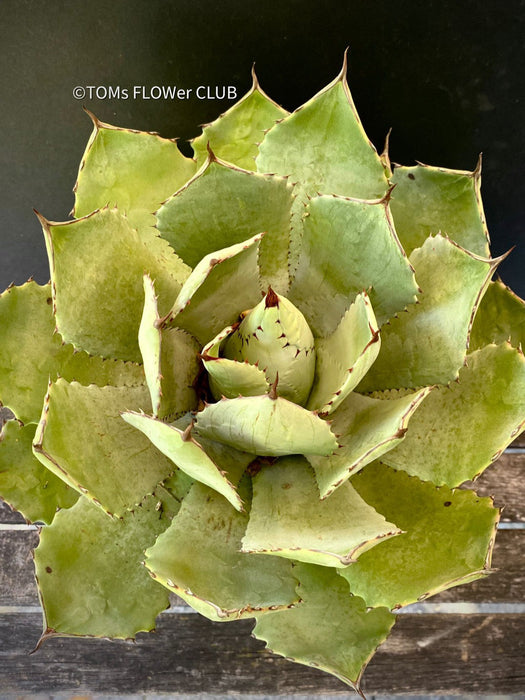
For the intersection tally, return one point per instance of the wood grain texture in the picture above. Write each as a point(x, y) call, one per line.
point(8, 515)
point(425, 654)
point(504, 481)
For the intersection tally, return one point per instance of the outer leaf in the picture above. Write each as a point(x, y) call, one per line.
point(186, 453)
point(90, 576)
point(492, 385)
point(32, 353)
point(448, 534)
point(366, 428)
point(348, 246)
point(230, 205)
point(170, 360)
point(334, 533)
point(345, 357)
point(83, 440)
point(24, 483)
point(330, 629)
point(198, 558)
point(500, 317)
point(323, 146)
point(222, 284)
point(231, 378)
point(428, 344)
point(236, 134)
point(132, 170)
point(428, 200)
point(97, 264)
point(267, 426)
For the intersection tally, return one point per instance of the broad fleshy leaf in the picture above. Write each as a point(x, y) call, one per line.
point(344, 358)
point(170, 360)
point(429, 200)
point(266, 426)
point(323, 146)
point(97, 264)
point(366, 428)
point(333, 533)
point(32, 353)
point(90, 576)
point(231, 378)
point(230, 205)
point(330, 629)
point(493, 386)
point(25, 483)
point(82, 438)
point(428, 344)
point(448, 538)
point(186, 453)
point(132, 170)
point(349, 246)
point(236, 134)
point(223, 284)
point(198, 558)
point(500, 317)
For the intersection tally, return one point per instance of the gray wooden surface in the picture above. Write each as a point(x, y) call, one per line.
point(467, 640)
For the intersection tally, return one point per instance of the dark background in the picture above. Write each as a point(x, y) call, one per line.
point(447, 77)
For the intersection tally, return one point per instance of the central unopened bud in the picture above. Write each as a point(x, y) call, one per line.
point(275, 336)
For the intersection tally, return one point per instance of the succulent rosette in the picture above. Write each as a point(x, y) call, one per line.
point(256, 379)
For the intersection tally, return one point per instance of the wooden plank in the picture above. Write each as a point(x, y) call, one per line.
point(506, 585)
point(8, 515)
point(504, 479)
point(17, 582)
point(519, 441)
point(447, 654)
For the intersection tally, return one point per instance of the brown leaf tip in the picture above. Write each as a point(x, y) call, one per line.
point(271, 299)
point(273, 389)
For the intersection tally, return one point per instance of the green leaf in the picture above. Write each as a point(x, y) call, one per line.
point(170, 360)
point(334, 532)
point(323, 146)
point(492, 385)
point(230, 205)
point(447, 542)
point(132, 170)
point(428, 344)
point(345, 357)
point(500, 317)
point(349, 246)
point(198, 558)
point(236, 134)
point(222, 285)
point(32, 354)
point(267, 426)
point(83, 440)
point(429, 200)
point(330, 629)
point(184, 451)
point(24, 483)
point(97, 265)
point(366, 428)
point(275, 336)
point(231, 378)
point(90, 576)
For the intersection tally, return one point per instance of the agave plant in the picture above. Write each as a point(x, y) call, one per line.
point(256, 379)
